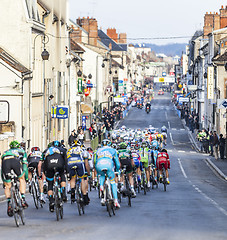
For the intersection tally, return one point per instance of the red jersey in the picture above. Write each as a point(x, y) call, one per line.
point(163, 156)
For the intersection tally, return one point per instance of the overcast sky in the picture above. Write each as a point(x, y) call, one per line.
point(148, 18)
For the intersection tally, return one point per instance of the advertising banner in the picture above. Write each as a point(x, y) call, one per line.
point(62, 112)
point(210, 83)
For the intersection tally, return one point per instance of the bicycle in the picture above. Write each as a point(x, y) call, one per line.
point(57, 196)
point(144, 181)
point(109, 201)
point(35, 190)
point(152, 177)
point(137, 186)
point(117, 174)
point(16, 200)
point(79, 196)
point(127, 191)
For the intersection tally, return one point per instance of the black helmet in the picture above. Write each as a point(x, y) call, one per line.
point(164, 150)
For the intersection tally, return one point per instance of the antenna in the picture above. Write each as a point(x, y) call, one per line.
point(93, 7)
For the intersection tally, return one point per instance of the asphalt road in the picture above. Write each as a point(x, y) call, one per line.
point(193, 207)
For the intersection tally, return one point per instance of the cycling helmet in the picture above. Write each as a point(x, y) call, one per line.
point(77, 143)
point(114, 145)
point(14, 144)
point(164, 150)
point(144, 144)
point(106, 142)
point(123, 145)
point(33, 149)
point(56, 144)
point(90, 149)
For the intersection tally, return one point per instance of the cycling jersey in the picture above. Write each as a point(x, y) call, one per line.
point(125, 157)
point(75, 157)
point(145, 156)
point(163, 157)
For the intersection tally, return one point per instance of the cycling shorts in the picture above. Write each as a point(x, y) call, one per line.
point(164, 135)
point(127, 163)
point(80, 171)
point(53, 163)
point(160, 161)
point(11, 163)
point(144, 162)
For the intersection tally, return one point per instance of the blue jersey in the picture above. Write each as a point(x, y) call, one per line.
point(107, 154)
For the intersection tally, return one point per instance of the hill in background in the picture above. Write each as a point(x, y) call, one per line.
point(172, 49)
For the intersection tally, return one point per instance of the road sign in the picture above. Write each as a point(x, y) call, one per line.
point(164, 74)
point(183, 99)
point(222, 103)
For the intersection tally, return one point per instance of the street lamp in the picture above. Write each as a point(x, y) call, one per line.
point(79, 73)
point(45, 55)
point(90, 76)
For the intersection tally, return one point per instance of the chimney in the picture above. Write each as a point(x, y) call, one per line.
point(112, 33)
point(123, 38)
point(91, 26)
point(223, 17)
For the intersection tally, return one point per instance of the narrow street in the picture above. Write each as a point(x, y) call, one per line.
point(193, 207)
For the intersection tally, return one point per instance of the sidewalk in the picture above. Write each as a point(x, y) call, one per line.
point(219, 166)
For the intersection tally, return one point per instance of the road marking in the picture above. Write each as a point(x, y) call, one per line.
point(169, 125)
point(170, 150)
point(171, 138)
point(181, 151)
point(211, 200)
point(174, 129)
point(182, 129)
point(166, 115)
point(192, 152)
point(203, 194)
point(182, 169)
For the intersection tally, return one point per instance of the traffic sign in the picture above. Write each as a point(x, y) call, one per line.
point(222, 103)
point(183, 99)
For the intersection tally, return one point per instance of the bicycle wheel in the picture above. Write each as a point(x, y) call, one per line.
point(61, 211)
point(108, 204)
point(15, 207)
point(35, 195)
point(21, 213)
point(78, 201)
point(144, 185)
point(56, 201)
point(113, 208)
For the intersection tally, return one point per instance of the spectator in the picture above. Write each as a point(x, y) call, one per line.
point(81, 136)
point(72, 137)
point(211, 144)
point(222, 146)
point(215, 144)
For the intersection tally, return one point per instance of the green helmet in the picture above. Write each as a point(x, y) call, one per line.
point(14, 144)
point(123, 145)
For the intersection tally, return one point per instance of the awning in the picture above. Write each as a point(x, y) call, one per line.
point(86, 108)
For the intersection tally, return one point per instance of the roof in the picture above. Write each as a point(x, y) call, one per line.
point(76, 47)
point(221, 58)
point(106, 40)
point(6, 57)
point(124, 46)
point(77, 25)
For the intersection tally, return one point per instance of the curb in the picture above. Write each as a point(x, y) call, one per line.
point(216, 169)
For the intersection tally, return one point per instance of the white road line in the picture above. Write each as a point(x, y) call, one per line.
point(211, 200)
point(192, 152)
point(169, 125)
point(182, 169)
point(170, 150)
point(181, 151)
point(174, 129)
point(166, 115)
point(182, 129)
point(171, 138)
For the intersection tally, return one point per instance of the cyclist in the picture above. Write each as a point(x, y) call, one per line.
point(148, 104)
point(106, 158)
point(136, 158)
point(164, 134)
point(33, 160)
point(144, 152)
point(163, 157)
point(54, 159)
point(125, 157)
point(11, 161)
point(77, 156)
